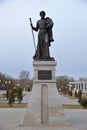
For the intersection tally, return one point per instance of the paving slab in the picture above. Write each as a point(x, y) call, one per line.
point(10, 118)
point(76, 117)
point(66, 100)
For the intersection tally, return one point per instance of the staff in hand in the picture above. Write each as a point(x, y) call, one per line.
point(32, 33)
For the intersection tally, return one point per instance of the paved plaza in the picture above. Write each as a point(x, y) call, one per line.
point(11, 118)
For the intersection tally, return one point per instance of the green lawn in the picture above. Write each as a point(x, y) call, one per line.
point(15, 105)
point(71, 106)
point(4, 103)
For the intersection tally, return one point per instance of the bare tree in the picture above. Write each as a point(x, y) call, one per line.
point(82, 79)
point(63, 83)
point(24, 75)
point(24, 78)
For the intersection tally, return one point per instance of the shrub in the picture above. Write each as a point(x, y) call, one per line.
point(19, 94)
point(7, 94)
point(83, 102)
point(76, 94)
point(11, 98)
point(79, 95)
point(70, 93)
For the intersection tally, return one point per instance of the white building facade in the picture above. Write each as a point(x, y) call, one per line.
point(78, 85)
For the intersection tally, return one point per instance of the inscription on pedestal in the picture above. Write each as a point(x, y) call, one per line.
point(44, 75)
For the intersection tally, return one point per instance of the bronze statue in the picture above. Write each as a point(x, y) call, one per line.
point(45, 36)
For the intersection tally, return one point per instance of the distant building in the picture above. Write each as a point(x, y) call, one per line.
point(78, 85)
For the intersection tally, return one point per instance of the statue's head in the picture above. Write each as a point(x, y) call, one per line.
point(42, 13)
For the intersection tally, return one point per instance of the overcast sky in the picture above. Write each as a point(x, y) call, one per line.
point(70, 34)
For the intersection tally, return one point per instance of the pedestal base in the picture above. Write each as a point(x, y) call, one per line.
point(44, 104)
point(55, 115)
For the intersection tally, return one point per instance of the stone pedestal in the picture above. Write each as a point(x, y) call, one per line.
point(44, 104)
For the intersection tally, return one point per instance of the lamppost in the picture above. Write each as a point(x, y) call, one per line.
point(7, 84)
point(18, 84)
point(0, 81)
